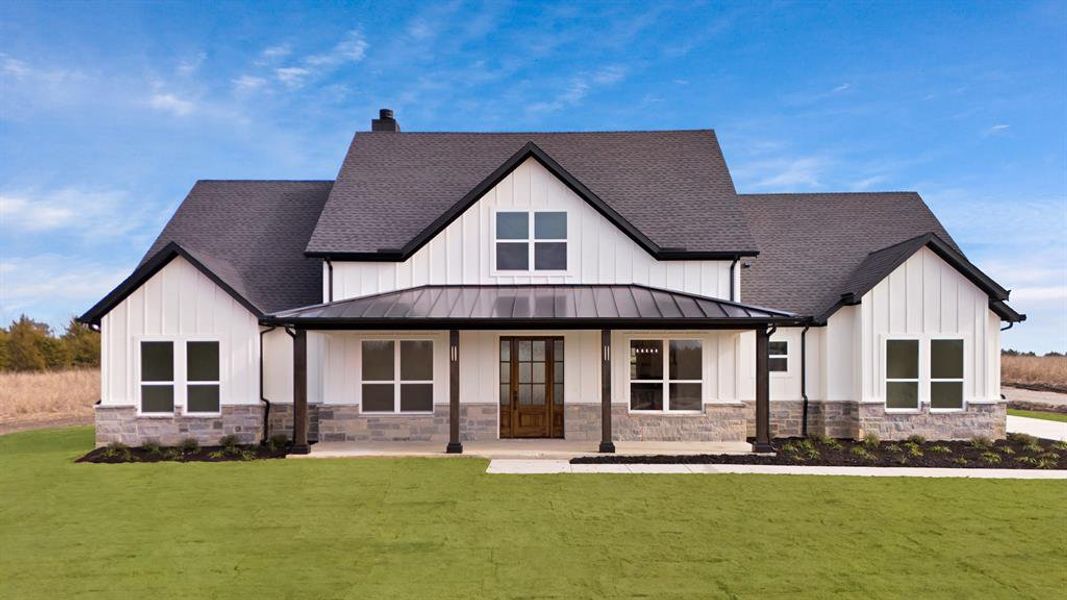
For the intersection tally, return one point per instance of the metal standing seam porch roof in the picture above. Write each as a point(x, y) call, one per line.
point(530, 306)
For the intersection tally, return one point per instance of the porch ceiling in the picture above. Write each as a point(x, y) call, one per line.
point(531, 307)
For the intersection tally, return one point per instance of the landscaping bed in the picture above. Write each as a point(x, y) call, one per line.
point(188, 451)
point(1019, 451)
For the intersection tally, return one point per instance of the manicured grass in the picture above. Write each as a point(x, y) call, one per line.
point(1037, 414)
point(442, 528)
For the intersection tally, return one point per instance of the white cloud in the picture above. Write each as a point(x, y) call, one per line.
point(609, 75)
point(94, 214)
point(192, 65)
point(278, 51)
point(841, 88)
point(579, 87)
point(171, 103)
point(248, 83)
point(51, 287)
point(292, 76)
point(13, 66)
point(350, 49)
point(997, 129)
point(781, 174)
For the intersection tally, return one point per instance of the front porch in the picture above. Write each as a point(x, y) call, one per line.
point(518, 449)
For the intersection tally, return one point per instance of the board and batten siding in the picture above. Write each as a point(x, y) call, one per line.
point(597, 251)
point(926, 297)
point(179, 303)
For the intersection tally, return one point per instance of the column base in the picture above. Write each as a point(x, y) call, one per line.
point(606, 448)
point(300, 449)
point(762, 447)
point(454, 448)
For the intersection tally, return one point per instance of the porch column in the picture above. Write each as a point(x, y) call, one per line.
point(763, 396)
point(300, 392)
point(606, 445)
point(454, 445)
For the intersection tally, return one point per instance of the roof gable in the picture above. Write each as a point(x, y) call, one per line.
point(669, 191)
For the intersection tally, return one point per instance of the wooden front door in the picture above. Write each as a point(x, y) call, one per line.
point(531, 387)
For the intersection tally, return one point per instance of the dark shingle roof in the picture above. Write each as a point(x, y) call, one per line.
point(811, 245)
point(251, 234)
point(672, 186)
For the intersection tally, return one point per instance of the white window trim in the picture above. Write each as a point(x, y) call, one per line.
point(397, 381)
point(788, 363)
point(530, 240)
point(666, 381)
point(931, 380)
point(925, 365)
point(180, 381)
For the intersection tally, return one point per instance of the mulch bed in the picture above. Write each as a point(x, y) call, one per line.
point(122, 454)
point(1017, 452)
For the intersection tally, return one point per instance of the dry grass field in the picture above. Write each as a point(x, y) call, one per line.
point(39, 399)
point(1049, 372)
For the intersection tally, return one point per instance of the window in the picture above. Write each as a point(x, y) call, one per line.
point(547, 244)
point(202, 376)
point(902, 374)
point(668, 381)
point(157, 377)
point(778, 361)
point(946, 374)
point(397, 376)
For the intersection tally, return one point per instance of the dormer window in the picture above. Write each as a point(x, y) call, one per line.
point(541, 234)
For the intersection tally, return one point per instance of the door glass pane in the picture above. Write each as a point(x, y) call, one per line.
point(946, 394)
point(512, 257)
point(505, 350)
point(685, 359)
point(539, 349)
point(558, 349)
point(557, 371)
point(416, 360)
point(557, 393)
point(550, 256)
point(525, 350)
point(505, 372)
point(416, 397)
point(646, 359)
point(902, 394)
point(377, 360)
point(538, 394)
point(779, 365)
point(526, 394)
point(538, 372)
point(505, 395)
point(512, 225)
point(203, 398)
point(202, 361)
point(646, 396)
point(902, 359)
point(525, 373)
point(157, 361)
point(946, 359)
point(157, 398)
point(550, 225)
point(377, 397)
point(685, 396)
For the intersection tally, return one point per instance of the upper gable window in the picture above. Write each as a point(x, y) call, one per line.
point(538, 236)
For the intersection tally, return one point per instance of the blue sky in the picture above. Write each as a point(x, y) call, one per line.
point(109, 113)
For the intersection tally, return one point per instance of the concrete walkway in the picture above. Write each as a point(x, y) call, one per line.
point(1042, 428)
point(553, 467)
point(517, 449)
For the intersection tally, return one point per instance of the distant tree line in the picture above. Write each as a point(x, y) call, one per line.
point(28, 345)
point(1011, 352)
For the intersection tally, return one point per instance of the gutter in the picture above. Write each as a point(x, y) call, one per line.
point(804, 379)
point(262, 398)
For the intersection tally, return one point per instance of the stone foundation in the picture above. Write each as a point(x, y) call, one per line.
point(280, 421)
point(344, 423)
point(121, 424)
point(985, 420)
point(834, 419)
point(719, 423)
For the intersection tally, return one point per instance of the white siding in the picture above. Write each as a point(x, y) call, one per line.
point(179, 303)
point(926, 297)
point(598, 252)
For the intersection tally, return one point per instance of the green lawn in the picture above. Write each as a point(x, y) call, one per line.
point(442, 528)
point(1037, 414)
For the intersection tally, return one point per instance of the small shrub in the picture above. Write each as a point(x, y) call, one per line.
point(1050, 455)
point(1028, 460)
point(916, 439)
point(1006, 450)
point(894, 448)
point(229, 443)
point(902, 460)
point(825, 440)
point(914, 449)
point(981, 442)
point(961, 461)
point(940, 449)
point(871, 441)
point(218, 454)
point(990, 457)
point(247, 454)
point(1060, 445)
point(172, 454)
point(117, 450)
point(189, 445)
point(1022, 438)
point(1046, 463)
point(861, 452)
point(278, 441)
point(152, 447)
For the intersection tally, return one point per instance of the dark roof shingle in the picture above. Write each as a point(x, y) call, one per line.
point(673, 186)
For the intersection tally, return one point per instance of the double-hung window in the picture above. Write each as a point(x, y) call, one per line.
point(522, 235)
point(946, 374)
point(778, 359)
point(665, 375)
point(397, 376)
point(202, 377)
point(902, 374)
point(157, 377)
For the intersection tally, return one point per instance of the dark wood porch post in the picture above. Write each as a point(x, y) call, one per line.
point(763, 396)
point(300, 392)
point(606, 445)
point(454, 445)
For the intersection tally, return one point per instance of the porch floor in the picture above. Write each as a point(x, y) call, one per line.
point(531, 448)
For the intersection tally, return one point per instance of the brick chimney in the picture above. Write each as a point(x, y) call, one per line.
point(385, 121)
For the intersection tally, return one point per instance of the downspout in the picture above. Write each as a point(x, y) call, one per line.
point(733, 268)
point(804, 379)
point(262, 398)
point(329, 272)
point(1010, 325)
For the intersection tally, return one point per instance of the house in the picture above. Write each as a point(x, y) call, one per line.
point(597, 286)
